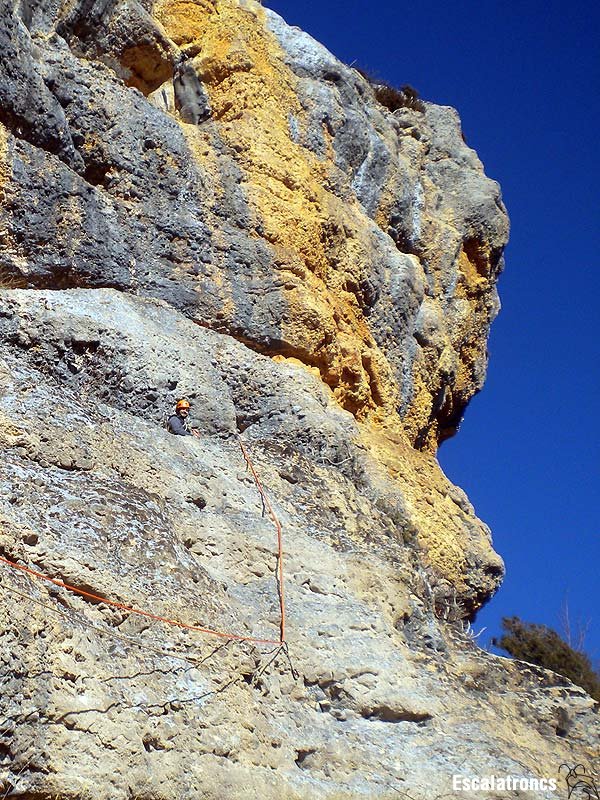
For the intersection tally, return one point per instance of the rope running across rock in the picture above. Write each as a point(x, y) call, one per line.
point(168, 621)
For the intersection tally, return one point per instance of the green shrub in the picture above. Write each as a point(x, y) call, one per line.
point(540, 645)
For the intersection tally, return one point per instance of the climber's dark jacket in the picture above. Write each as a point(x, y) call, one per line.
point(178, 425)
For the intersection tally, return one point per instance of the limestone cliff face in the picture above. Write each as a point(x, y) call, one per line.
point(197, 199)
point(300, 215)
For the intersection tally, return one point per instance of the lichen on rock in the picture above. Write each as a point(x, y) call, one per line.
point(199, 200)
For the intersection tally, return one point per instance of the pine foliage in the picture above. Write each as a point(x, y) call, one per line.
point(540, 645)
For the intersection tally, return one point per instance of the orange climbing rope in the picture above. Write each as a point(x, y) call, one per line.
point(267, 505)
point(232, 636)
point(33, 573)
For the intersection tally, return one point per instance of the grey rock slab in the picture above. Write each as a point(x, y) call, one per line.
point(374, 694)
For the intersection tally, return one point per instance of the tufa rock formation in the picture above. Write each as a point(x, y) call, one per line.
point(199, 200)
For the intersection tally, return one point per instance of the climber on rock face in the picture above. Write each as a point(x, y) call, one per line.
point(178, 422)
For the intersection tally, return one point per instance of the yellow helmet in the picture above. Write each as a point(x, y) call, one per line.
point(182, 404)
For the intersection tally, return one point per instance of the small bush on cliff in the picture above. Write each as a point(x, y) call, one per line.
point(540, 645)
point(405, 97)
point(11, 280)
point(392, 98)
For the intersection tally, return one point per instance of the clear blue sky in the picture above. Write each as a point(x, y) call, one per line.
point(525, 79)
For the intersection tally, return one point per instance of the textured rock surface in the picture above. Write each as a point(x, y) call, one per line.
point(300, 215)
point(230, 215)
point(104, 499)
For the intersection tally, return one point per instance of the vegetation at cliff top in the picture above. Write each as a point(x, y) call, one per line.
point(392, 98)
point(541, 645)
